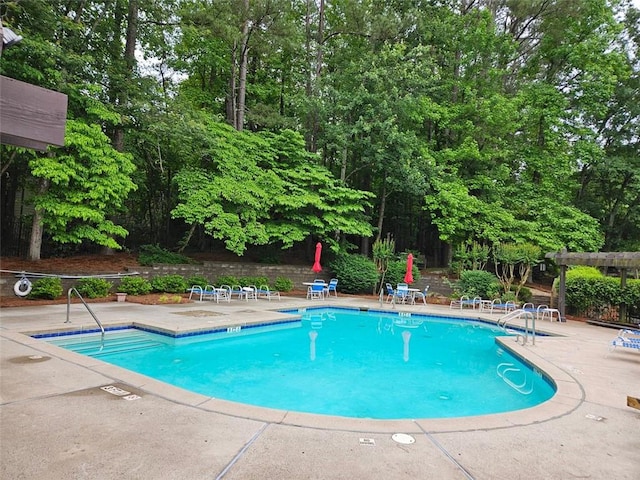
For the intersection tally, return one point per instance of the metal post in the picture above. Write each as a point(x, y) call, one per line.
point(562, 290)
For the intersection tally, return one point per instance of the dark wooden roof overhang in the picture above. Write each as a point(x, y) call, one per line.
point(605, 259)
point(31, 116)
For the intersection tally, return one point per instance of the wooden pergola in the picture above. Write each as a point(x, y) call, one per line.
point(623, 261)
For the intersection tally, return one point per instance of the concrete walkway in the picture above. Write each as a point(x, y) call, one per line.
point(57, 423)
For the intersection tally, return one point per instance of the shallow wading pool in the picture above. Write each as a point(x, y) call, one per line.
point(344, 362)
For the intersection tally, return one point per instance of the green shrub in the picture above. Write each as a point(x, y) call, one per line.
point(525, 295)
point(356, 273)
point(93, 287)
point(198, 280)
point(257, 281)
point(508, 297)
point(150, 254)
point(477, 283)
point(135, 286)
point(630, 294)
point(582, 271)
point(49, 288)
point(283, 284)
point(396, 270)
point(169, 284)
point(227, 280)
point(583, 293)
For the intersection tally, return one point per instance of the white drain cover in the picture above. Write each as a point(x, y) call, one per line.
point(403, 438)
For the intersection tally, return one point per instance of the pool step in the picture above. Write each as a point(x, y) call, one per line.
point(96, 347)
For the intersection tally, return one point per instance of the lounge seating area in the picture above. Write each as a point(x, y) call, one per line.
point(227, 292)
point(265, 292)
point(209, 292)
point(498, 306)
point(465, 302)
point(543, 312)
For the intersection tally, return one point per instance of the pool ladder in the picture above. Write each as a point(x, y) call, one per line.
point(73, 290)
point(502, 322)
point(504, 368)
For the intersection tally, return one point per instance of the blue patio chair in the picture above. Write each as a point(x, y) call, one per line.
point(332, 287)
point(421, 295)
point(402, 292)
point(316, 290)
point(390, 292)
point(264, 292)
point(627, 338)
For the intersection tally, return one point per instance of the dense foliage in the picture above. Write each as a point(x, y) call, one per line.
point(593, 294)
point(397, 270)
point(355, 273)
point(225, 125)
point(135, 286)
point(93, 287)
point(283, 284)
point(49, 288)
point(150, 254)
point(478, 283)
point(169, 284)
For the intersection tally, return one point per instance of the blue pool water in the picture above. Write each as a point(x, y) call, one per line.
point(342, 362)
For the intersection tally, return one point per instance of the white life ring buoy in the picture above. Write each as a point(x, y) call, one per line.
point(23, 287)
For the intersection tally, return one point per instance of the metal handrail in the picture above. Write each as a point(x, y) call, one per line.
point(502, 322)
point(73, 290)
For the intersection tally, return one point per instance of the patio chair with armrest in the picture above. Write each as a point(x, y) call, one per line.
point(498, 306)
point(393, 294)
point(420, 295)
point(402, 292)
point(264, 292)
point(237, 291)
point(332, 287)
point(316, 290)
point(627, 338)
point(390, 292)
point(466, 302)
point(210, 292)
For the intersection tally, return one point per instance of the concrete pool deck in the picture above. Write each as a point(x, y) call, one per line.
point(56, 421)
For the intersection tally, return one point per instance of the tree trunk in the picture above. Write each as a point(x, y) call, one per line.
point(242, 78)
point(383, 202)
point(129, 58)
point(37, 226)
point(231, 96)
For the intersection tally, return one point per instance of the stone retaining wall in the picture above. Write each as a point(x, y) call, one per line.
point(213, 270)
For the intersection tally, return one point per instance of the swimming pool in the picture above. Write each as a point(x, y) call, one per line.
point(343, 362)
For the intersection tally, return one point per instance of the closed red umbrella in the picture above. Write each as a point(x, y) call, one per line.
point(316, 264)
point(408, 277)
